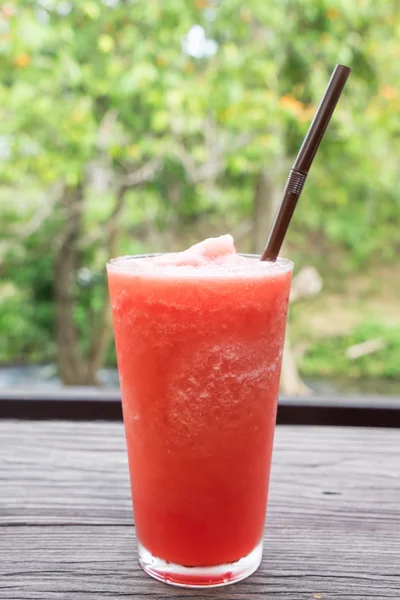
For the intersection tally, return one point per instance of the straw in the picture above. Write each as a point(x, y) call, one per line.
point(303, 162)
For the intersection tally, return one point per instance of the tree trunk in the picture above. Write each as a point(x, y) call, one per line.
point(74, 368)
point(265, 203)
point(70, 361)
point(102, 330)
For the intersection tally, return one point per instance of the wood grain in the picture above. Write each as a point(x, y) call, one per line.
point(66, 529)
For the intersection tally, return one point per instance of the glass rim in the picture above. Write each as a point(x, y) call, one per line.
point(119, 263)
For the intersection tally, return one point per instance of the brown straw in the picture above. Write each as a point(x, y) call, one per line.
point(303, 162)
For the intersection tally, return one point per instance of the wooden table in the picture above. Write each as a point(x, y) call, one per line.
point(66, 521)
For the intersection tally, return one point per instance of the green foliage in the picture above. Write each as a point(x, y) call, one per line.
point(327, 357)
point(91, 91)
point(24, 335)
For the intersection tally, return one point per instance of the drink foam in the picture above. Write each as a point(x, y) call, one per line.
point(211, 257)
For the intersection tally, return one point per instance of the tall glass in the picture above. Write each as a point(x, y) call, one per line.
point(199, 359)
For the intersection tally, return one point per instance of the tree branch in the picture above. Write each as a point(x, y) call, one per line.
point(145, 173)
point(42, 214)
point(217, 150)
point(101, 336)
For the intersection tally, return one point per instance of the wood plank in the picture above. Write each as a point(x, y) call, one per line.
point(57, 472)
point(66, 521)
point(75, 472)
point(101, 562)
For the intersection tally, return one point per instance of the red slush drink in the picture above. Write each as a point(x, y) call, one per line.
point(199, 338)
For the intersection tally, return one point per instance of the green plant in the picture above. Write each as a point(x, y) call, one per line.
point(327, 357)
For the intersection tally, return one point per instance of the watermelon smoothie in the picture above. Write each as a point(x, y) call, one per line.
point(199, 338)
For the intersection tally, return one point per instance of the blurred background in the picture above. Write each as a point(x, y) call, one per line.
point(130, 126)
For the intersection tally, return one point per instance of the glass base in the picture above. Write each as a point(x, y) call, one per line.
point(200, 577)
